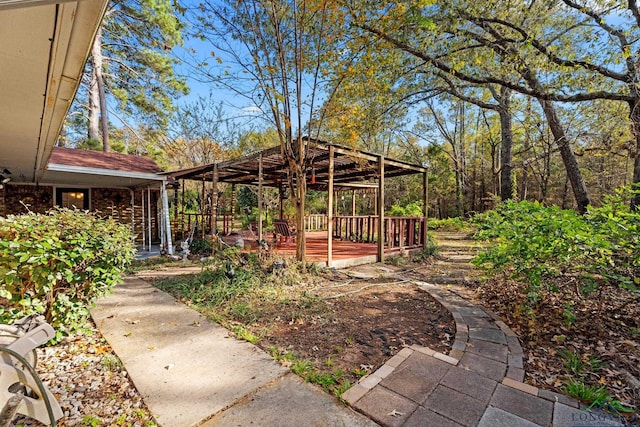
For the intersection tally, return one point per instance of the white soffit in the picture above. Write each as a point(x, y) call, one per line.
point(43, 49)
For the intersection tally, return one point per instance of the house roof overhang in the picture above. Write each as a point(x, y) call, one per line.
point(352, 168)
point(99, 169)
point(44, 46)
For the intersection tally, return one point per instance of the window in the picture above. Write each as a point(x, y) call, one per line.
point(72, 197)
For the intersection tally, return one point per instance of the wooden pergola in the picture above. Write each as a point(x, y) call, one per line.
point(331, 168)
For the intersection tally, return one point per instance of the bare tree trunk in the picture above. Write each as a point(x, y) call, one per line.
point(635, 127)
point(97, 96)
point(506, 170)
point(568, 158)
point(94, 106)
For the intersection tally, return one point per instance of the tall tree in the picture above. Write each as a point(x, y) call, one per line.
point(131, 69)
point(274, 50)
point(475, 51)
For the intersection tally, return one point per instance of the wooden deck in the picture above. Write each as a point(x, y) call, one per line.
point(317, 248)
point(344, 252)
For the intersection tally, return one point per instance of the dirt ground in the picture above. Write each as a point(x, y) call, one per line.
point(360, 325)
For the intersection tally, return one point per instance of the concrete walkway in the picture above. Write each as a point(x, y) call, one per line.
point(190, 372)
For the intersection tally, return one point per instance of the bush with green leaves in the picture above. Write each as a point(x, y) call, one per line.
point(56, 264)
point(536, 242)
point(413, 209)
point(448, 224)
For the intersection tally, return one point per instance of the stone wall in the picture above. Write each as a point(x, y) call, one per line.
point(20, 199)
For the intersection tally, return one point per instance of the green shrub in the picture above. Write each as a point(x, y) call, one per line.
point(201, 246)
point(448, 224)
point(55, 264)
point(536, 242)
point(413, 209)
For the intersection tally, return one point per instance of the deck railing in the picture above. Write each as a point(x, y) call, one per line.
point(315, 222)
point(194, 223)
point(399, 232)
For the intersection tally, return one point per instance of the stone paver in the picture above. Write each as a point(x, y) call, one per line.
point(386, 407)
point(472, 311)
point(486, 334)
point(423, 417)
point(567, 416)
point(522, 404)
point(416, 377)
point(495, 417)
point(470, 383)
point(490, 350)
point(479, 322)
point(456, 406)
point(484, 366)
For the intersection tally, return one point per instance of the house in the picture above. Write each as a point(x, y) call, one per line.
point(125, 187)
point(44, 45)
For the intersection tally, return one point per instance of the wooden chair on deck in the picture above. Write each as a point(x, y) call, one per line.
point(282, 232)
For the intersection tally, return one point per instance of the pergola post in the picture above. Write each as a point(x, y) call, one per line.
point(214, 200)
point(203, 199)
point(182, 232)
point(260, 197)
point(425, 209)
point(233, 204)
point(330, 208)
point(380, 209)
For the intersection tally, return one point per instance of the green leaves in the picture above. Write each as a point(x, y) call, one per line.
point(55, 264)
point(536, 242)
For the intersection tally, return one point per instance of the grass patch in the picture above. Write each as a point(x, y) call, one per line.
point(152, 263)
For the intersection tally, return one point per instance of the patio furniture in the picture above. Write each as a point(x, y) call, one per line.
point(283, 233)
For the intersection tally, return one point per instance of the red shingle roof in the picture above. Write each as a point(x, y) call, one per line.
point(102, 160)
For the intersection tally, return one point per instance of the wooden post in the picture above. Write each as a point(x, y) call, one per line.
point(425, 209)
point(260, 198)
point(380, 199)
point(233, 204)
point(182, 216)
point(202, 206)
point(330, 208)
point(214, 200)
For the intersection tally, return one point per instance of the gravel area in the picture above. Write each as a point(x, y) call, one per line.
point(90, 384)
